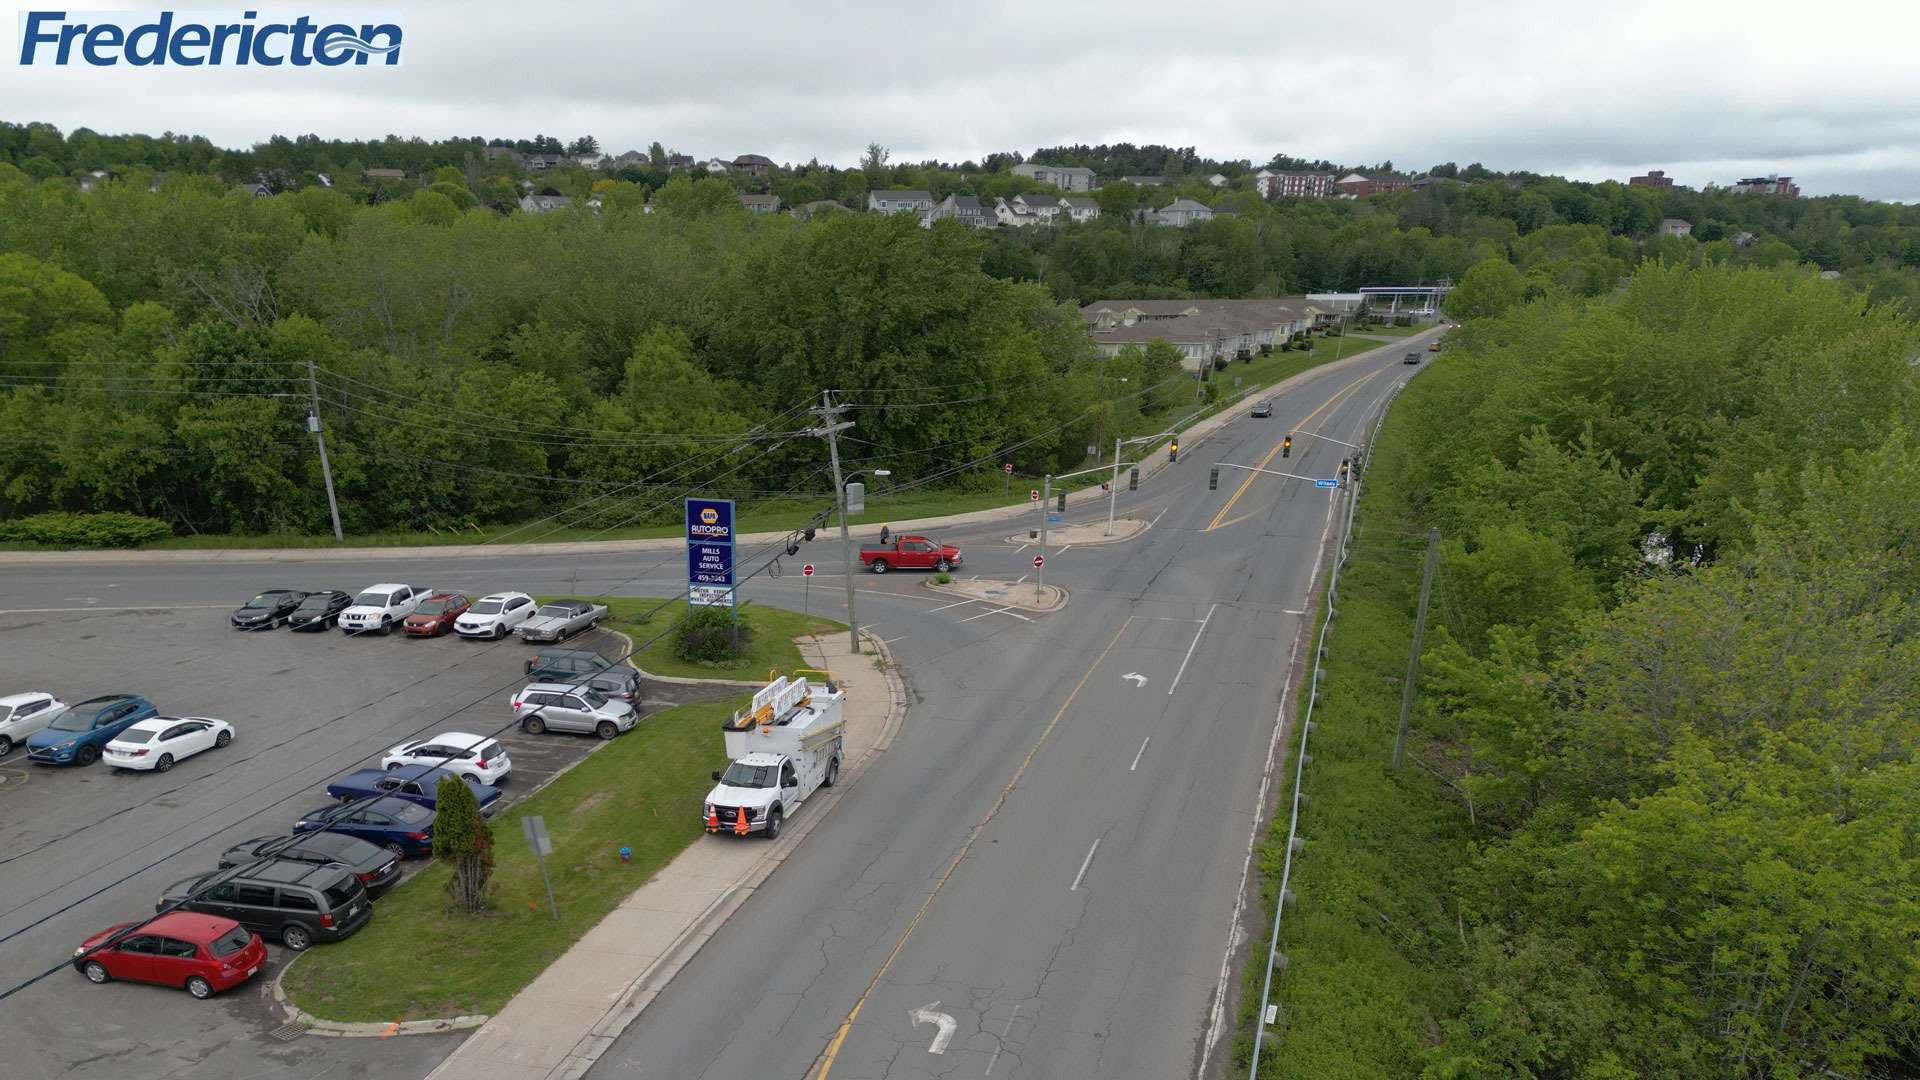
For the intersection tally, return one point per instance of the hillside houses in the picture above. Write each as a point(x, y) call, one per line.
point(1203, 330)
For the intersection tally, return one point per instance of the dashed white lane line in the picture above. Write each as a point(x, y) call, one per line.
point(1062, 551)
point(1088, 861)
point(1157, 517)
point(1004, 1032)
point(1196, 644)
point(1141, 754)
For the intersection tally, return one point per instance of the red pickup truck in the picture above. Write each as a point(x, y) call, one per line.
point(910, 553)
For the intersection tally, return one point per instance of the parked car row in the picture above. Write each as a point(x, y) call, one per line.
point(124, 729)
point(419, 612)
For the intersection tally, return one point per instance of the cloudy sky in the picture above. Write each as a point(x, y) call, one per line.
point(1710, 92)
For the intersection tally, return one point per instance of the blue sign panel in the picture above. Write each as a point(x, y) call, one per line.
point(710, 550)
point(1326, 483)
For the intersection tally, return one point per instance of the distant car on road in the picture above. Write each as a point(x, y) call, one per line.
point(1433, 346)
point(494, 615)
point(402, 827)
point(477, 757)
point(267, 610)
point(558, 707)
point(320, 610)
point(558, 620)
point(375, 866)
point(436, 614)
point(160, 742)
point(22, 715)
point(1263, 409)
point(584, 667)
point(1411, 358)
point(414, 783)
point(77, 736)
point(379, 608)
point(201, 954)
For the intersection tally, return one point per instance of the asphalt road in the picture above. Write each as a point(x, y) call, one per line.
point(1052, 851)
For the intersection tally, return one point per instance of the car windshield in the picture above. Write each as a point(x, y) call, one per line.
point(134, 735)
point(371, 599)
point(485, 607)
point(409, 813)
point(265, 599)
point(740, 774)
point(594, 698)
point(433, 607)
point(317, 601)
point(6, 713)
point(74, 721)
point(555, 611)
point(231, 942)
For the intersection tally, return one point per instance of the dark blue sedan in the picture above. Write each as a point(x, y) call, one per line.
point(77, 736)
point(402, 827)
point(414, 783)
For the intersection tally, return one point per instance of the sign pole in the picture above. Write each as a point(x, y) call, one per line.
point(535, 828)
point(1113, 489)
point(1039, 564)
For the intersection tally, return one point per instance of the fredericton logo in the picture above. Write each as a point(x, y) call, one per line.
point(182, 39)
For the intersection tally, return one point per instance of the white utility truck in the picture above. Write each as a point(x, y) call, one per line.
point(784, 748)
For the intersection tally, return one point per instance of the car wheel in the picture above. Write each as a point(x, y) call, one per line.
point(606, 729)
point(199, 988)
point(96, 972)
point(499, 632)
point(533, 725)
point(86, 755)
point(394, 765)
point(398, 850)
point(880, 566)
point(386, 627)
point(222, 739)
point(833, 773)
point(773, 824)
point(296, 937)
point(6, 746)
point(943, 566)
point(164, 763)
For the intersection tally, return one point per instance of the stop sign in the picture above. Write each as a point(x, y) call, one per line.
point(1039, 561)
point(807, 570)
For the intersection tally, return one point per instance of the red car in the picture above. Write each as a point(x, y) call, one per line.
point(910, 553)
point(202, 954)
point(435, 614)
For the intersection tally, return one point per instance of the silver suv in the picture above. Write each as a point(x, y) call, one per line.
point(558, 707)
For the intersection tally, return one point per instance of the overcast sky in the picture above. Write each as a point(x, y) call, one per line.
point(1824, 92)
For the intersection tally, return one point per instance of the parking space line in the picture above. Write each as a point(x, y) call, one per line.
point(1062, 551)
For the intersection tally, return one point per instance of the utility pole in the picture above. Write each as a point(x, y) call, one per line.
point(1413, 657)
point(830, 426)
point(1113, 488)
point(1040, 571)
point(313, 425)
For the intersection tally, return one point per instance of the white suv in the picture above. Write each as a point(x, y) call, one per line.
point(494, 615)
point(477, 756)
point(380, 608)
point(23, 714)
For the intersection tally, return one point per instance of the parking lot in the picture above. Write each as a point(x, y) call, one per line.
point(84, 848)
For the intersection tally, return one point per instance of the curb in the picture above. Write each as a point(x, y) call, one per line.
point(1038, 609)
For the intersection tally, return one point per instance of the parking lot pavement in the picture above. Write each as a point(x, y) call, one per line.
point(82, 849)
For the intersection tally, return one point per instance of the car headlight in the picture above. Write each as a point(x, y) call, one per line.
point(80, 951)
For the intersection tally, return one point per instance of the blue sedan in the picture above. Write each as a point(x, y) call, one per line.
point(414, 783)
point(77, 736)
point(402, 827)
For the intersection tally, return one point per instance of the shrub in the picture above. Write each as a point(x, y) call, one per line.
point(705, 636)
point(942, 578)
point(464, 841)
point(61, 528)
point(1266, 349)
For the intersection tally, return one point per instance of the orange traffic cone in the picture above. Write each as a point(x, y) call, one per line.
point(713, 820)
point(740, 821)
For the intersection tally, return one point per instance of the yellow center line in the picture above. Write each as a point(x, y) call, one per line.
point(1248, 482)
point(839, 1037)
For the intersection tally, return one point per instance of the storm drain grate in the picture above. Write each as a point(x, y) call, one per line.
point(288, 1032)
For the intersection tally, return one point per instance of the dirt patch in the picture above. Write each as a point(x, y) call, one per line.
point(590, 802)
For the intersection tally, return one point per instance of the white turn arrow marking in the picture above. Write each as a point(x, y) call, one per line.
point(1138, 679)
point(946, 1024)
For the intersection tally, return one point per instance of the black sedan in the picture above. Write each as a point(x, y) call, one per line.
point(1263, 409)
point(375, 866)
point(320, 610)
point(268, 609)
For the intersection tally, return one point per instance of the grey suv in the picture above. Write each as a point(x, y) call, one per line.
point(584, 667)
point(545, 707)
point(297, 902)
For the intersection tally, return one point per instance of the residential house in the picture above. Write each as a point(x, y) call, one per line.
point(503, 153)
point(808, 211)
point(966, 209)
point(1202, 330)
point(543, 162)
point(1289, 184)
point(1043, 208)
point(717, 165)
point(93, 180)
point(1655, 178)
point(679, 162)
point(1675, 227)
point(633, 157)
point(383, 174)
point(258, 189)
point(752, 165)
point(1014, 215)
point(1218, 179)
point(543, 202)
point(591, 161)
point(1767, 185)
point(900, 202)
point(1744, 239)
point(761, 204)
point(1356, 185)
point(1080, 207)
point(1180, 213)
point(1146, 181)
point(1064, 177)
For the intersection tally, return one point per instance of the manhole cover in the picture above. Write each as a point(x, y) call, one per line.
point(288, 1032)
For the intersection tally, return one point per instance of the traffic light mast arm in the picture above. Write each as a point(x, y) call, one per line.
point(1269, 472)
point(1314, 435)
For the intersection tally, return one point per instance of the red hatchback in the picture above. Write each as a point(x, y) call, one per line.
point(435, 614)
point(203, 954)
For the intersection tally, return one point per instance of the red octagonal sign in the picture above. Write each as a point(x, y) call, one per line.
point(1039, 561)
point(807, 570)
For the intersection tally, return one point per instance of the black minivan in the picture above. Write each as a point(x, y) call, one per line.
point(297, 902)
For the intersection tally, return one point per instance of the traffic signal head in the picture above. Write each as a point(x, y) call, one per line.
point(807, 534)
point(1213, 479)
point(1133, 479)
point(1173, 450)
point(1286, 446)
point(1062, 502)
point(793, 546)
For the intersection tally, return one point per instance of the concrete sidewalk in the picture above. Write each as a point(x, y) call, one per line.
point(1152, 461)
point(564, 1020)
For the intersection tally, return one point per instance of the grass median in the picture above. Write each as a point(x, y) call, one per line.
point(770, 645)
point(419, 958)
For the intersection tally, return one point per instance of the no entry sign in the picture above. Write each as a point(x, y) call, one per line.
point(807, 570)
point(1039, 561)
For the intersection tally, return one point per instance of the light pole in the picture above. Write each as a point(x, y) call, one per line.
point(1113, 487)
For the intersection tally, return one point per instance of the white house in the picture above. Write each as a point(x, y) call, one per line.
point(1218, 180)
point(1182, 212)
point(1064, 177)
point(1675, 227)
point(539, 204)
point(1080, 207)
point(900, 202)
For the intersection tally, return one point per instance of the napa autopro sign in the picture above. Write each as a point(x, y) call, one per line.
point(710, 552)
point(201, 39)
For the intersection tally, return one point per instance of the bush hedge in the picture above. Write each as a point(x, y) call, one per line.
point(60, 528)
point(706, 636)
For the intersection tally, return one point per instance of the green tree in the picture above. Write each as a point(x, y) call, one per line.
point(463, 841)
point(1488, 289)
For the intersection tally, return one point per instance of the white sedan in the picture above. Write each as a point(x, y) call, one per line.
point(477, 756)
point(161, 742)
